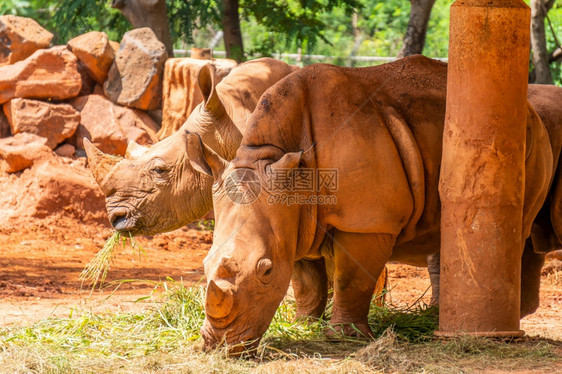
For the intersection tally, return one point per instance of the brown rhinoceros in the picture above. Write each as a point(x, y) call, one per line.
point(381, 129)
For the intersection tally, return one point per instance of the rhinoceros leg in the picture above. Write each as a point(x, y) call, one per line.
point(433, 268)
point(310, 283)
point(531, 265)
point(359, 260)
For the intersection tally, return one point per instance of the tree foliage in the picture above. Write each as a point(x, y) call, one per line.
point(70, 18)
point(322, 27)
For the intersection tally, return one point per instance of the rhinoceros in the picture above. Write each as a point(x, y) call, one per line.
point(381, 129)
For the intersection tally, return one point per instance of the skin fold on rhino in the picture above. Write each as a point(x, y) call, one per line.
point(381, 129)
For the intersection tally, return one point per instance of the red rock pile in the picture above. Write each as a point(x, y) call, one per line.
point(51, 97)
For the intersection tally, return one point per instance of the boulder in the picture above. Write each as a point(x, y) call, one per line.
point(4, 126)
point(88, 83)
point(54, 122)
point(98, 90)
point(20, 37)
point(111, 127)
point(135, 77)
point(201, 53)
point(115, 46)
point(95, 52)
point(21, 151)
point(54, 187)
point(181, 93)
point(65, 150)
point(46, 74)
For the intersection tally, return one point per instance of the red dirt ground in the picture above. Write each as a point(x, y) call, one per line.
point(41, 261)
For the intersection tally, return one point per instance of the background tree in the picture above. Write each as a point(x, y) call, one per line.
point(414, 40)
point(230, 21)
point(540, 55)
point(148, 13)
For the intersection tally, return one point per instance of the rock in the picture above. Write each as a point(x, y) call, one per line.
point(4, 126)
point(156, 115)
point(115, 46)
point(201, 53)
point(52, 187)
point(46, 74)
point(67, 190)
point(20, 37)
point(135, 77)
point(65, 150)
point(110, 127)
point(20, 151)
point(181, 93)
point(98, 90)
point(95, 52)
point(88, 83)
point(54, 122)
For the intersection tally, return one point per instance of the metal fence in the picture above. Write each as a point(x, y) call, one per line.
point(296, 58)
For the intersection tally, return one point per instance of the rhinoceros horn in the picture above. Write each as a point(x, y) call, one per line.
point(100, 163)
point(135, 150)
point(220, 300)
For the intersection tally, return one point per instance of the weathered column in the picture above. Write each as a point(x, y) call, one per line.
point(483, 168)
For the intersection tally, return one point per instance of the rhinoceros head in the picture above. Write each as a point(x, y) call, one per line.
point(153, 189)
point(250, 264)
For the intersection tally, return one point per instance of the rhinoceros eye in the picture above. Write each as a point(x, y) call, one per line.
point(264, 270)
point(159, 170)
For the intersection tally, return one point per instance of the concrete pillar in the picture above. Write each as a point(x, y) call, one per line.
point(482, 172)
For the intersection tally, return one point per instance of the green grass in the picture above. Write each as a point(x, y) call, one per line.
point(164, 338)
point(96, 270)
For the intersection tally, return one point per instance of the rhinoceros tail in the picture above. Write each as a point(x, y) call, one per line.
point(413, 166)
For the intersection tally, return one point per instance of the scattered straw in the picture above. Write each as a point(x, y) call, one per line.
point(96, 270)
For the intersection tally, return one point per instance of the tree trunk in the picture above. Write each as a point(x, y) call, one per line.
point(538, 41)
point(556, 55)
point(357, 38)
point(148, 13)
point(232, 33)
point(414, 40)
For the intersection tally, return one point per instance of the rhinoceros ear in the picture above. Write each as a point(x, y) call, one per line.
point(202, 158)
point(206, 79)
point(288, 161)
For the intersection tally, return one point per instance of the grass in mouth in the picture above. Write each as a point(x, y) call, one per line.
point(96, 270)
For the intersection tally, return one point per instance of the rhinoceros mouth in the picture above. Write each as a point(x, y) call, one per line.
point(236, 343)
point(121, 220)
point(123, 224)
